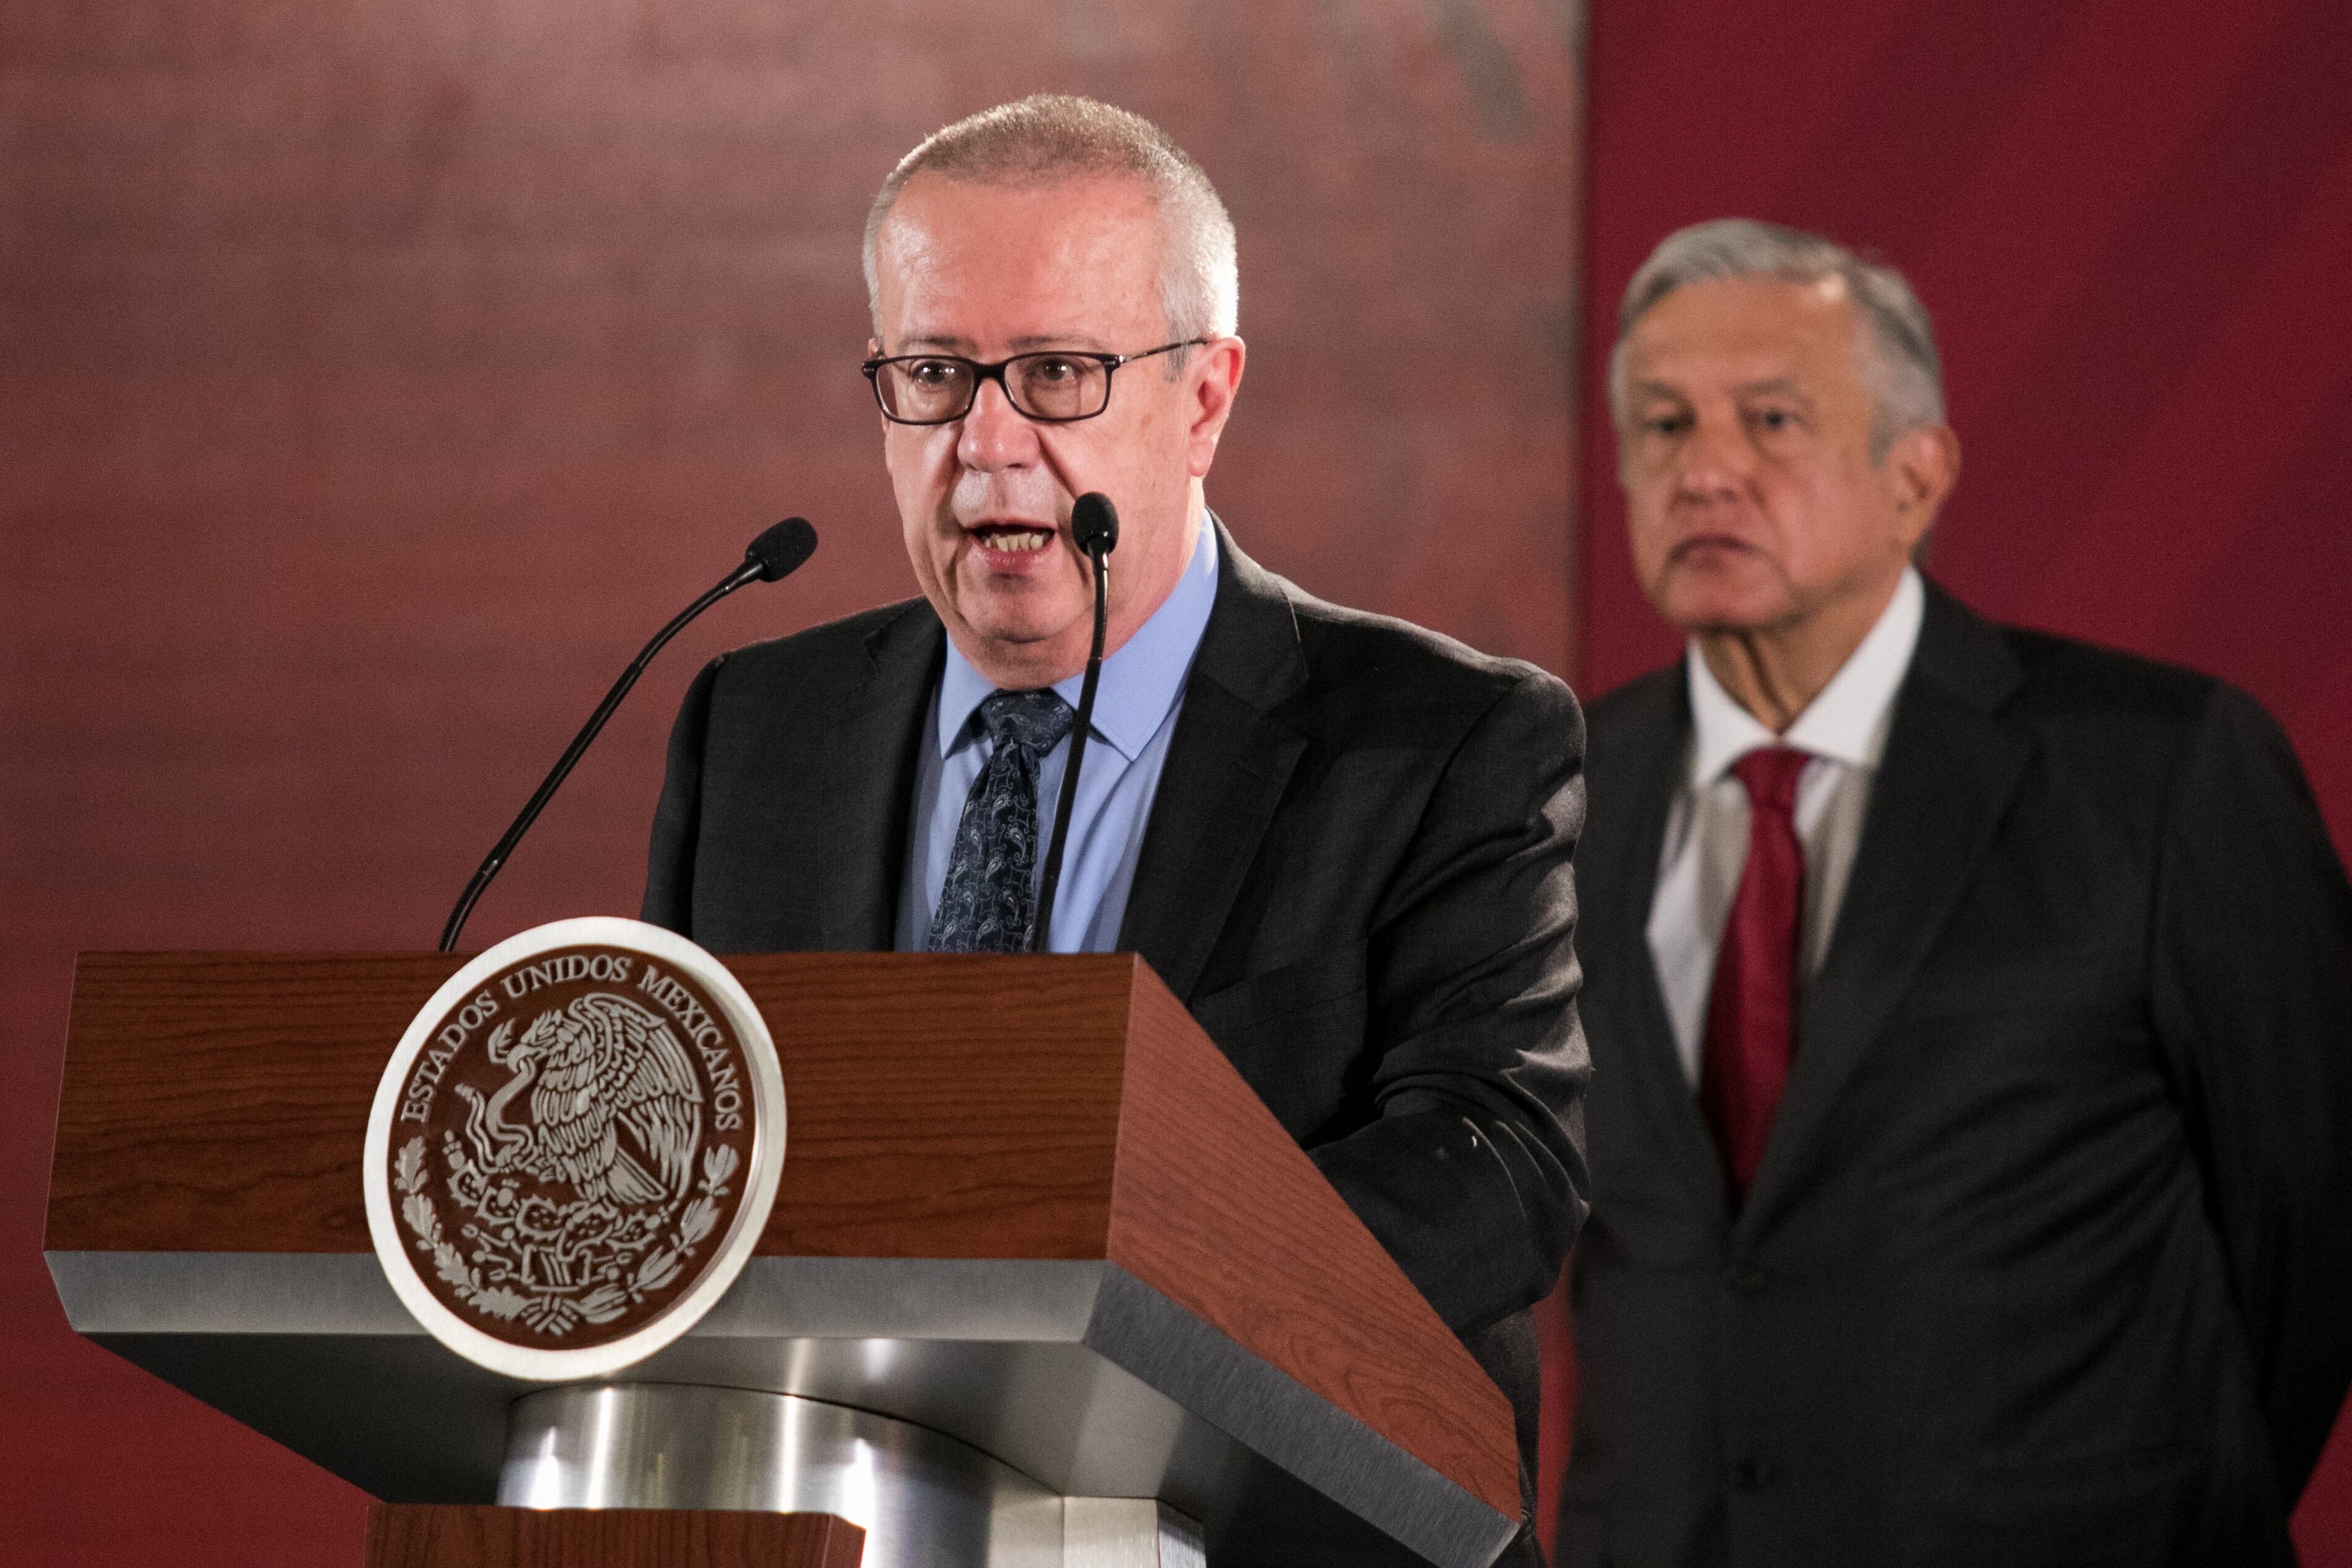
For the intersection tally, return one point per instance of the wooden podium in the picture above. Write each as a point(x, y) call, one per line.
point(1032, 1222)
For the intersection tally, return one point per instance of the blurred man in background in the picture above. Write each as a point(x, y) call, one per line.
point(1971, 1009)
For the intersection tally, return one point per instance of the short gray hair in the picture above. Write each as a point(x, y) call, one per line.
point(1052, 137)
point(1902, 362)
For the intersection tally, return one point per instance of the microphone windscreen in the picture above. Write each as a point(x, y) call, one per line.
point(780, 552)
point(1094, 523)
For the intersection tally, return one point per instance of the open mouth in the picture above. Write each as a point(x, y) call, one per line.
point(1709, 544)
point(1013, 539)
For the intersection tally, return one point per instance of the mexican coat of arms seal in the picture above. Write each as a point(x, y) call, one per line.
point(574, 1148)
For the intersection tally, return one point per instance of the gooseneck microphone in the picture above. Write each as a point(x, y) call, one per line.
point(774, 554)
point(1094, 528)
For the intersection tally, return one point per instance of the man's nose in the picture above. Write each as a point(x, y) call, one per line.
point(1716, 458)
point(995, 434)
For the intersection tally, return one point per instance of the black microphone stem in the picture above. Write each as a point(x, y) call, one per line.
point(1052, 877)
point(775, 553)
point(573, 754)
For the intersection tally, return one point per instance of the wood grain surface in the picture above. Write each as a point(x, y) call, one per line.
point(402, 1536)
point(218, 1102)
point(944, 1105)
point(1217, 1210)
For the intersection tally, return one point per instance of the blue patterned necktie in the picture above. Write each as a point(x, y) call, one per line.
point(989, 904)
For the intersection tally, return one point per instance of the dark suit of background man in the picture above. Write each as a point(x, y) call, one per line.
point(1969, 1125)
point(1343, 841)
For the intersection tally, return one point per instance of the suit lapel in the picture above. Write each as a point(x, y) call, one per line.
point(1227, 766)
point(1632, 804)
point(863, 849)
point(1949, 770)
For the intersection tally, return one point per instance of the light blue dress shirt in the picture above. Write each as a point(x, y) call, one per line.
point(1142, 691)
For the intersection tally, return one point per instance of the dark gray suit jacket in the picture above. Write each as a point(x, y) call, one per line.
point(1355, 875)
point(2050, 1256)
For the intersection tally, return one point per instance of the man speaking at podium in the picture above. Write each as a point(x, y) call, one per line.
point(1343, 841)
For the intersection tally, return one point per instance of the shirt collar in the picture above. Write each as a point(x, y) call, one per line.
point(1846, 723)
point(1139, 683)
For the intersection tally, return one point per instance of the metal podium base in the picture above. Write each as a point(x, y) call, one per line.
point(924, 1500)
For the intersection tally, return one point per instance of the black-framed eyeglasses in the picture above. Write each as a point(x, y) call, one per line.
point(1053, 386)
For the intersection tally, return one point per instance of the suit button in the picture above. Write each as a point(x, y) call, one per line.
point(1752, 1474)
point(1747, 1279)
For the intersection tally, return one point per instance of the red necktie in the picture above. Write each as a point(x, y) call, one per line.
point(1751, 1013)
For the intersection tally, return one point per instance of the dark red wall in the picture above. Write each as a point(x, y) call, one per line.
point(2132, 223)
point(374, 378)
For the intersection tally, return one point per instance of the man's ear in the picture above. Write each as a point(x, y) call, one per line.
point(1215, 378)
point(1921, 468)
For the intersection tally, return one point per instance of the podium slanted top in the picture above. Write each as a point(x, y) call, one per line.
point(1025, 1202)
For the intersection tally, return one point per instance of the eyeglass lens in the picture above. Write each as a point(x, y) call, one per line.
point(1041, 386)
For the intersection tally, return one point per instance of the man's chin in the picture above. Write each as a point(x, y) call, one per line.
point(1022, 625)
point(1722, 609)
point(1003, 646)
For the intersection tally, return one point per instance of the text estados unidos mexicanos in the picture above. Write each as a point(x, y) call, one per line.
point(709, 1040)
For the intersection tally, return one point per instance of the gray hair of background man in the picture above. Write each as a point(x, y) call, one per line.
point(1053, 137)
point(1898, 341)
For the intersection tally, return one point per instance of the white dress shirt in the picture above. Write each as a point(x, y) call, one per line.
point(1844, 730)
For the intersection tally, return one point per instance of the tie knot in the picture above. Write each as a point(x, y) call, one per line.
point(1769, 775)
point(1035, 721)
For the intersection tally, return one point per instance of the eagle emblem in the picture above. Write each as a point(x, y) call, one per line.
point(574, 1148)
point(614, 1110)
point(568, 1140)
